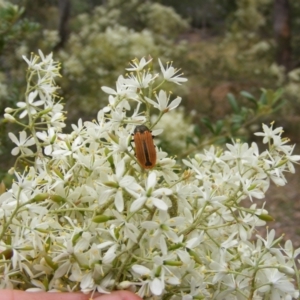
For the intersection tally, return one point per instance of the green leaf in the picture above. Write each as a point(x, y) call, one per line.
point(197, 131)
point(277, 95)
point(249, 97)
point(263, 98)
point(219, 126)
point(237, 119)
point(189, 140)
point(221, 140)
point(208, 124)
point(279, 106)
point(233, 103)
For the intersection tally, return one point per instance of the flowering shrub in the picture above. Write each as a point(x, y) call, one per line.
point(102, 41)
point(176, 141)
point(83, 215)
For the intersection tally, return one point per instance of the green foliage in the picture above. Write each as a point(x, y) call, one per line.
point(13, 27)
point(178, 132)
point(247, 109)
point(204, 13)
point(243, 59)
point(14, 30)
point(110, 37)
point(249, 17)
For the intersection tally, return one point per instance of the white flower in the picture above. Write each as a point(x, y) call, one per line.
point(5, 281)
point(31, 105)
point(65, 149)
point(241, 152)
point(170, 72)
point(163, 100)
point(207, 194)
point(162, 228)
point(270, 134)
point(123, 89)
point(291, 158)
point(83, 214)
point(87, 283)
point(22, 144)
point(156, 285)
point(32, 63)
point(270, 239)
point(150, 195)
point(142, 81)
point(130, 230)
point(277, 284)
point(234, 286)
point(220, 267)
point(118, 182)
point(290, 251)
point(253, 188)
point(230, 242)
point(48, 138)
point(137, 65)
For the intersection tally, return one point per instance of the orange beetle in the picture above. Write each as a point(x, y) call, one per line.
point(144, 147)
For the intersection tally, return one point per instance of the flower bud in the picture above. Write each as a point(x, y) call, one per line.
point(173, 263)
point(11, 171)
point(126, 285)
point(50, 262)
point(286, 270)
point(57, 198)
point(265, 217)
point(8, 110)
point(9, 118)
point(7, 253)
point(40, 197)
point(102, 218)
point(111, 184)
point(195, 256)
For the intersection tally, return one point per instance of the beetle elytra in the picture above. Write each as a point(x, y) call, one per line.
point(144, 147)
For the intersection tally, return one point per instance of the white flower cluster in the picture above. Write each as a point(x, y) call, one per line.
point(85, 216)
point(176, 141)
